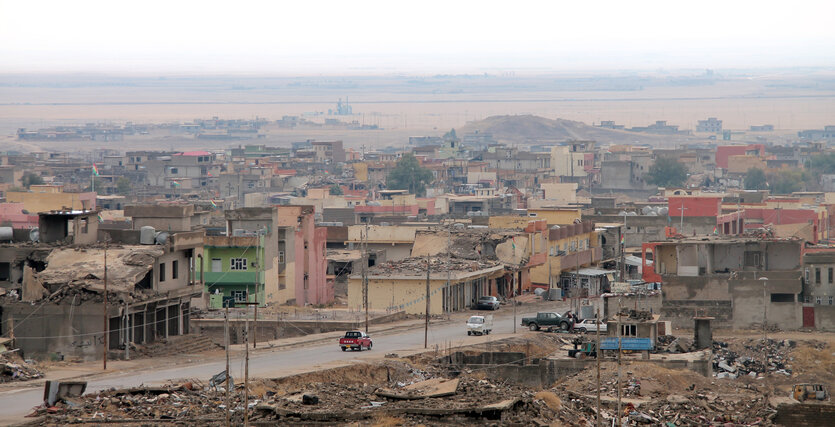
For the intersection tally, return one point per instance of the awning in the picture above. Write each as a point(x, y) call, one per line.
point(594, 272)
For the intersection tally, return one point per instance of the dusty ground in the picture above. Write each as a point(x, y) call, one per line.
point(403, 108)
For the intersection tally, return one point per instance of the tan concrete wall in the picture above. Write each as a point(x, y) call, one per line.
point(44, 202)
point(383, 294)
point(556, 216)
point(560, 192)
point(383, 233)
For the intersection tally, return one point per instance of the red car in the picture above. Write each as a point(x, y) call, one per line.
point(355, 340)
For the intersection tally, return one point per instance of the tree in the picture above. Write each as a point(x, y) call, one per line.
point(667, 172)
point(788, 181)
point(409, 175)
point(755, 179)
point(123, 186)
point(336, 190)
point(29, 179)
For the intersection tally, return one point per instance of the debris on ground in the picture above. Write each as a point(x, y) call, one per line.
point(13, 368)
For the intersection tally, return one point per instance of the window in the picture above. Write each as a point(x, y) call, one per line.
point(5, 271)
point(174, 171)
point(830, 300)
point(84, 226)
point(628, 330)
point(239, 296)
point(807, 275)
point(217, 265)
point(237, 264)
point(752, 259)
point(281, 257)
point(817, 275)
point(161, 272)
point(782, 297)
point(174, 268)
point(830, 275)
point(818, 301)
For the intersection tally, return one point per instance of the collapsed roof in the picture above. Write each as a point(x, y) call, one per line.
point(84, 268)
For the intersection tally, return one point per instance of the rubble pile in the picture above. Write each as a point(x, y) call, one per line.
point(654, 395)
point(436, 264)
point(754, 358)
point(12, 369)
point(188, 402)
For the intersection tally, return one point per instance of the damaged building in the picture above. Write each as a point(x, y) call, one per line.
point(741, 282)
point(454, 284)
point(53, 302)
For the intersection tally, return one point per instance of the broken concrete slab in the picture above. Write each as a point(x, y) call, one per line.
point(435, 387)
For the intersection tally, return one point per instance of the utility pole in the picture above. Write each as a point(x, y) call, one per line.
point(226, 340)
point(127, 332)
point(622, 259)
point(365, 275)
point(257, 282)
point(104, 307)
point(620, 327)
point(449, 266)
point(426, 329)
point(513, 299)
point(599, 354)
point(246, 370)
point(681, 221)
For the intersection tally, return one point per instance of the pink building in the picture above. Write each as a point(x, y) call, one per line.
point(11, 215)
point(308, 255)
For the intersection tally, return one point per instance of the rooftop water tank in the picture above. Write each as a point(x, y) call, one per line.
point(161, 238)
point(6, 234)
point(34, 235)
point(146, 235)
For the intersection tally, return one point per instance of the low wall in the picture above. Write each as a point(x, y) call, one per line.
point(680, 313)
point(275, 329)
point(544, 372)
point(805, 414)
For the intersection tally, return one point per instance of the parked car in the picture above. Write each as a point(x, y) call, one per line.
point(590, 325)
point(487, 303)
point(548, 321)
point(480, 325)
point(355, 340)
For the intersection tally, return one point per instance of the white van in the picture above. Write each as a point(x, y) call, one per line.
point(480, 325)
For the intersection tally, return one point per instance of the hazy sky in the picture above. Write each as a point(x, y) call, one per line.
point(349, 37)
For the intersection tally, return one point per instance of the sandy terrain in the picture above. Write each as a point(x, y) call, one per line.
point(419, 106)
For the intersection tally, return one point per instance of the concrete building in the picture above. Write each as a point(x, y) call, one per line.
point(454, 285)
point(44, 198)
point(232, 270)
point(739, 281)
point(711, 125)
point(625, 172)
point(294, 252)
point(53, 290)
point(394, 240)
point(819, 288)
point(329, 151)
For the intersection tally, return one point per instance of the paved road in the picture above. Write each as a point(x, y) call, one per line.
point(14, 404)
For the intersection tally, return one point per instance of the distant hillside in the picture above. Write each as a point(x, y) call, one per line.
point(528, 130)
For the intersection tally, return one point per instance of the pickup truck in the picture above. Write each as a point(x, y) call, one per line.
point(480, 325)
point(355, 340)
point(548, 321)
point(589, 325)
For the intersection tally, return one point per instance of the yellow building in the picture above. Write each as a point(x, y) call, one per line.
point(360, 171)
point(45, 198)
point(401, 286)
point(569, 247)
point(556, 216)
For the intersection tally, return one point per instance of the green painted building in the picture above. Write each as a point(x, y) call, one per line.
point(232, 269)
